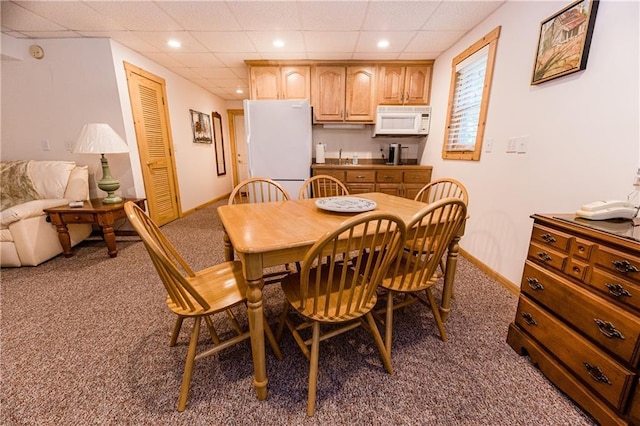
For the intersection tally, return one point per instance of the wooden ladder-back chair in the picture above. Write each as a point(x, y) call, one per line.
point(320, 186)
point(440, 189)
point(328, 290)
point(414, 271)
point(195, 295)
point(258, 190)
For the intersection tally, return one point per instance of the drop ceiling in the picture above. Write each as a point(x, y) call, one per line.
point(218, 36)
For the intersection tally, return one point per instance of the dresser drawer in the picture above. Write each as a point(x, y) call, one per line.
point(361, 176)
point(606, 377)
point(615, 288)
point(550, 237)
point(634, 407)
point(417, 176)
point(389, 176)
point(338, 174)
point(619, 263)
point(547, 256)
point(77, 218)
point(613, 329)
point(581, 248)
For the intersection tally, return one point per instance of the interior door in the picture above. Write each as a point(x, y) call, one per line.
point(238, 145)
point(153, 133)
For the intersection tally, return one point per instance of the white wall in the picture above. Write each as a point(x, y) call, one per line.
point(83, 80)
point(583, 129)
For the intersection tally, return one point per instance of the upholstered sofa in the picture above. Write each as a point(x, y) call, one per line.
point(28, 187)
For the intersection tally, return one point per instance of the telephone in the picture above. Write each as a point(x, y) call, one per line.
point(613, 209)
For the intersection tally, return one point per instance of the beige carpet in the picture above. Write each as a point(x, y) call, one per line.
point(85, 341)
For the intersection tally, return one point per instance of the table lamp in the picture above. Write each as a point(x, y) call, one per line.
point(100, 138)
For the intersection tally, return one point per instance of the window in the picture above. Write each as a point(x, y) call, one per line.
point(471, 75)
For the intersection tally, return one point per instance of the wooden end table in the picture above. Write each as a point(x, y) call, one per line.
point(93, 212)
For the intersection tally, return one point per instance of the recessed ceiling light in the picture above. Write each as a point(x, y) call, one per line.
point(239, 91)
point(174, 43)
point(278, 43)
point(383, 43)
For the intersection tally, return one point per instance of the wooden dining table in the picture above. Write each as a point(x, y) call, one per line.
point(276, 233)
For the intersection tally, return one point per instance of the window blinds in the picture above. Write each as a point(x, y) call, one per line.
point(467, 100)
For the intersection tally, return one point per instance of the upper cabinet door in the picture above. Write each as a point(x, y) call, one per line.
point(296, 82)
point(417, 85)
point(361, 93)
point(265, 83)
point(391, 85)
point(328, 96)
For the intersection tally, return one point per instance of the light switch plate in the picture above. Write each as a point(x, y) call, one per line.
point(488, 144)
point(46, 146)
point(512, 144)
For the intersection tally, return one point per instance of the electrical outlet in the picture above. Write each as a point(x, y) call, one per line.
point(68, 145)
point(45, 145)
point(636, 180)
point(488, 144)
point(521, 145)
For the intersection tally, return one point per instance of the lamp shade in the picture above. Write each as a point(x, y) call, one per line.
point(99, 138)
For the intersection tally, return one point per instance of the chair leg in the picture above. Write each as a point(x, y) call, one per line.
point(188, 366)
point(283, 318)
point(384, 353)
point(176, 331)
point(212, 330)
point(436, 314)
point(272, 340)
point(313, 369)
point(388, 322)
point(234, 321)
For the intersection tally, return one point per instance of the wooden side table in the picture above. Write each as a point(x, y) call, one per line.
point(93, 212)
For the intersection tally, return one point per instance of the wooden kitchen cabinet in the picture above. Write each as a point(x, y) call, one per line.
point(578, 318)
point(343, 93)
point(400, 84)
point(403, 181)
point(280, 82)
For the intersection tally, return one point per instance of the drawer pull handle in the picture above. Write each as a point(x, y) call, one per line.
point(359, 177)
point(544, 256)
point(528, 318)
point(608, 329)
point(617, 290)
point(596, 374)
point(548, 238)
point(534, 284)
point(624, 266)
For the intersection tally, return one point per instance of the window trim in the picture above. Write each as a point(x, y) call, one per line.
point(490, 39)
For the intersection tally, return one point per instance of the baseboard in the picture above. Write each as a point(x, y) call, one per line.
point(503, 281)
point(208, 203)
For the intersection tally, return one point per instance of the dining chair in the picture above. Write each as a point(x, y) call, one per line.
point(414, 271)
point(438, 190)
point(195, 294)
point(258, 190)
point(328, 290)
point(322, 186)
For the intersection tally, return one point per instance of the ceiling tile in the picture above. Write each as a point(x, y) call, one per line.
point(201, 15)
point(266, 15)
point(129, 39)
point(221, 73)
point(398, 40)
point(159, 41)
point(225, 41)
point(136, 15)
point(263, 40)
point(391, 16)
point(433, 40)
point(331, 56)
point(18, 18)
point(74, 15)
point(51, 34)
point(330, 41)
point(460, 15)
point(194, 60)
point(237, 59)
point(332, 15)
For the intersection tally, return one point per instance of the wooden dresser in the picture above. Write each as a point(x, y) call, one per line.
point(578, 314)
point(404, 181)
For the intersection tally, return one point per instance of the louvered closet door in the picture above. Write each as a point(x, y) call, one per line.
point(151, 119)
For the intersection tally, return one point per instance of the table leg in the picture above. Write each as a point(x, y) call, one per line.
point(110, 239)
point(65, 239)
point(449, 277)
point(253, 273)
point(228, 248)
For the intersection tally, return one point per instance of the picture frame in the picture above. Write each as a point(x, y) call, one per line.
point(218, 144)
point(564, 41)
point(201, 126)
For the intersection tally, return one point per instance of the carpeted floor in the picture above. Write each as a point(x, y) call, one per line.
point(85, 341)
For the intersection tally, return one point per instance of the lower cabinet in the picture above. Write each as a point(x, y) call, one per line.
point(403, 181)
point(578, 328)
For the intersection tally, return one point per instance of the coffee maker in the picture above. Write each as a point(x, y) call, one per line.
point(394, 154)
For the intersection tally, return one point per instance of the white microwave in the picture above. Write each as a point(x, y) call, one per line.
point(402, 120)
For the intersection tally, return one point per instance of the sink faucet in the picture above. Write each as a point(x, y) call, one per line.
point(340, 156)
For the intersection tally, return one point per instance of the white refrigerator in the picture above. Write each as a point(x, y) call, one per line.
point(278, 135)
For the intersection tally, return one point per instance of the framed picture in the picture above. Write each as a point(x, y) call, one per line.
point(563, 44)
point(201, 125)
point(219, 143)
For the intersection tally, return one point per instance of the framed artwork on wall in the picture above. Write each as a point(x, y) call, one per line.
point(201, 126)
point(564, 41)
point(218, 143)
